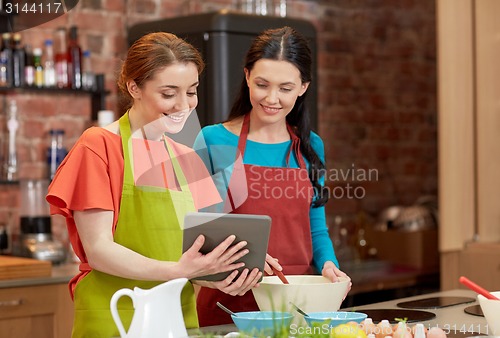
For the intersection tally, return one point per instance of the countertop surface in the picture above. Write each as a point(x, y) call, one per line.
point(452, 319)
point(60, 274)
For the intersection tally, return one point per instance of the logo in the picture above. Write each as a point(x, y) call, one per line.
point(19, 15)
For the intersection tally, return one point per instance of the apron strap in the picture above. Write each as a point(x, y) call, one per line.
point(295, 147)
point(242, 140)
point(181, 178)
point(84, 267)
point(128, 177)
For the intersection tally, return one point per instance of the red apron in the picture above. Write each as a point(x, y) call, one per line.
point(285, 194)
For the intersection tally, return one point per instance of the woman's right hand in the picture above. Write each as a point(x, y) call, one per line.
point(235, 287)
point(221, 259)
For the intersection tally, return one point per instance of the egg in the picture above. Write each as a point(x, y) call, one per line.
point(401, 330)
point(368, 326)
point(419, 331)
point(436, 332)
point(383, 329)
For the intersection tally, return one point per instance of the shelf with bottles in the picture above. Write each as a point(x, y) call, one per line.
point(58, 67)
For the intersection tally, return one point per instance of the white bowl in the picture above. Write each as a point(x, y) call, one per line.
point(491, 311)
point(311, 293)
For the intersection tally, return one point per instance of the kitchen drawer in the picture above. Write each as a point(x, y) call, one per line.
point(27, 301)
point(36, 311)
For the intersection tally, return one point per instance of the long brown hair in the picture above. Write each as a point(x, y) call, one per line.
point(151, 53)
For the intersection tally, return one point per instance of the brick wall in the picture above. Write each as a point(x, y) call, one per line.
point(377, 94)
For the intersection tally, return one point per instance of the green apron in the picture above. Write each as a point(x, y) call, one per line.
point(148, 223)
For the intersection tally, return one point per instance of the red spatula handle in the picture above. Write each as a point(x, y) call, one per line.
point(474, 287)
point(280, 275)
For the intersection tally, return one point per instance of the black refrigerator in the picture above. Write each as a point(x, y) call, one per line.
point(223, 38)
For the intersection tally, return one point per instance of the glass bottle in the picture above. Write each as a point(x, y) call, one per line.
point(61, 58)
point(49, 71)
point(6, 60)
point(56, 151)
point(262, 7)
point(29, 67)
point(88, 77)
point(18, 61)
point(4, 76)
point(37, 62)
point(75, 59)
point(246, 6)
point(11, 164)
point(280, 8)
point(4, 240)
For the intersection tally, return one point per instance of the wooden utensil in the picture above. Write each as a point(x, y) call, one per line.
point(474, 287)
point(280, 275)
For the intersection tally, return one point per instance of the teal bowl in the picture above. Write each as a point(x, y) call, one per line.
point(262, 322)
point(334, 318)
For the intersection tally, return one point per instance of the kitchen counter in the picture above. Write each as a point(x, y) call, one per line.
point(452, 319)
point(60, 274)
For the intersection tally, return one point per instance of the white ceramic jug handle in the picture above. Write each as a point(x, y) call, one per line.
point(114, 309)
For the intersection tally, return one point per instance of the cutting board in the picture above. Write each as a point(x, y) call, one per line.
point(19, 267)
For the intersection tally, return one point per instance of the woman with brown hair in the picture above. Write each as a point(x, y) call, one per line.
point(124, 190)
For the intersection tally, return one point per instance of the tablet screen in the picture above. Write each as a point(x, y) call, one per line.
point(216, 227)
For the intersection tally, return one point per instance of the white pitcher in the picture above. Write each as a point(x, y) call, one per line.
point(158, 311)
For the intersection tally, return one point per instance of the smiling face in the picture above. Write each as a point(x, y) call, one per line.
point(167, 99)
point(274, 87)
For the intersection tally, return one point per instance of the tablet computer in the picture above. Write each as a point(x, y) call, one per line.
point(216, 227)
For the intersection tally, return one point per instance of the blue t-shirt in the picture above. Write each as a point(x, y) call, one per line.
point(217, 147)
